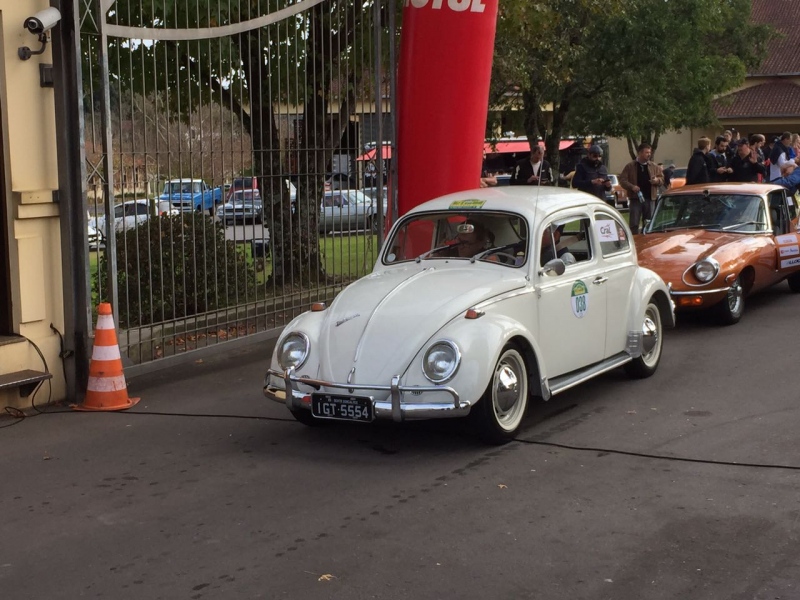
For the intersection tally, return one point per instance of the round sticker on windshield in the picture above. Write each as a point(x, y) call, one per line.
point(580, 299)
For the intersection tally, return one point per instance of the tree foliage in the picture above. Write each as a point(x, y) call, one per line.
point(632, 68)
point(318, 64)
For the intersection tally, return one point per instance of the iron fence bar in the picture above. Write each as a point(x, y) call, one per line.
point(112, 293)
point(68, 85)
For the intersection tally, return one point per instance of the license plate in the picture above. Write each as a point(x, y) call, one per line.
point(344, 408)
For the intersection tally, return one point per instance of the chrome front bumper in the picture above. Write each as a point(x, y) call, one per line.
point(699, 292)
point(395, 408)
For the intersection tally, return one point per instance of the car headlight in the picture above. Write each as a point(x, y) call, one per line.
point(293, 350)
point(441, 361)
point(706, 270)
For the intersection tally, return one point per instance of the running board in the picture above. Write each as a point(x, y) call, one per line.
point(565, 382)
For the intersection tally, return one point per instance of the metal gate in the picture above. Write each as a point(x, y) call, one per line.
point(237, 155)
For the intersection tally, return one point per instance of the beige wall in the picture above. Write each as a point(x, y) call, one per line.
point(29, 149)
point(674, 147)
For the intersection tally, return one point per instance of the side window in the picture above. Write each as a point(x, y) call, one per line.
point(791, 203)
point(776, 202)
point(340, 200)
point(328, 201)
point(611, 235)
point(567, 239)
point(141, 209)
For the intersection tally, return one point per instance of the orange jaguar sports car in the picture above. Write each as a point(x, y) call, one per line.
point(715, 244)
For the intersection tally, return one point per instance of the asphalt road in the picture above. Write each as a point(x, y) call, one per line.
point(616, 490)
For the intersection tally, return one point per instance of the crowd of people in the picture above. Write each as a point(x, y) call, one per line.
point(729, 158)
point(747, 159)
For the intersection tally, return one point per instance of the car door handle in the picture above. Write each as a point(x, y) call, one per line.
point(600, 280)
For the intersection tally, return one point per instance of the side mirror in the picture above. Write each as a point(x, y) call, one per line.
point(554, 267)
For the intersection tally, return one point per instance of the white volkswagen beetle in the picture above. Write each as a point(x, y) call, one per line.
point(479, 301)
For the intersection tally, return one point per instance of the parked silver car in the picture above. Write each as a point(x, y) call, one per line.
point(244, 206)
point(346, 210)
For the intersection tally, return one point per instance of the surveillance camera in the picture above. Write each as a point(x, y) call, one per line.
point(43, 21)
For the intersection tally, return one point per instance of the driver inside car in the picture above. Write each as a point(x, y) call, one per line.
point(553, 248)
point(472, 239)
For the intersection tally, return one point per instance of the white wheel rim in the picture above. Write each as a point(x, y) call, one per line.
point(651, 327)
point(509, 390)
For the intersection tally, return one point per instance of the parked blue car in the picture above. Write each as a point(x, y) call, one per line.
point(191, 194)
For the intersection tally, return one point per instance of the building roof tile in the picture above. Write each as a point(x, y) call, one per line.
point(772, 99)
point(782, 53)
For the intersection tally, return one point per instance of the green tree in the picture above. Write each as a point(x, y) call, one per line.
point(676, 56)
point(318, 60)
point(633, 68)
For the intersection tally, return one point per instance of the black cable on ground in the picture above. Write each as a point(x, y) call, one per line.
point(724, 463)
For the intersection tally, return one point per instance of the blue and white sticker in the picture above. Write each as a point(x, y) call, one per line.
point(580, 299)
point(791, 262)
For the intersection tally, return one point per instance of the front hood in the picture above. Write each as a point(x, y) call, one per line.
point(670, 254)
point(379, 323)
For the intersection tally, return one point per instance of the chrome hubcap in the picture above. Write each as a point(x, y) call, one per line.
point(650, 335)
point(509, 391)
point(735, 297)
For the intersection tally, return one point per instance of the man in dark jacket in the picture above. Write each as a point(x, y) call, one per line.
point(721, 171)
point(533, 171)
point(591, 175)
point(745, 164)
point(698, 169)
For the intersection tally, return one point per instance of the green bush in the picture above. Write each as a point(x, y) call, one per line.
point(176, 266)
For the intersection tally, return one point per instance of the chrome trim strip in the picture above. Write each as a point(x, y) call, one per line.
point(565, 382)
point(699, 292)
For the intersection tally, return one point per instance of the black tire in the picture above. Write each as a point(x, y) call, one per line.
point(497, 417)
point(794, 282)
point(371, 224)
point(731, 308)
point(645, 365)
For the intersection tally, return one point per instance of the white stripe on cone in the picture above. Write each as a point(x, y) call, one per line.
point(105, 353)
point(106, 384)
point(105, 322)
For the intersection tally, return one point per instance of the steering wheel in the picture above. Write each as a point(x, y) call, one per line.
point(507, 258)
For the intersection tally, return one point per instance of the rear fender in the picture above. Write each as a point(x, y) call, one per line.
point(647, 285)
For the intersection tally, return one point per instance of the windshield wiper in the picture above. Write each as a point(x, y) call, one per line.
point(737, 225)
point(492, 251)
point(425, 255)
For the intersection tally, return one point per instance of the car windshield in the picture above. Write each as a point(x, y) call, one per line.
point(679, 172)
point(719, 212)
point(182, 187)
point(246, 196)
point(494, 237)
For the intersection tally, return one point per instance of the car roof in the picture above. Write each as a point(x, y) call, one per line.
point(725, 188)
point(185, 181)
point(532, 202)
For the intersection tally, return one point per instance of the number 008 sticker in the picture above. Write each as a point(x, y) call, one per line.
point(580, 299)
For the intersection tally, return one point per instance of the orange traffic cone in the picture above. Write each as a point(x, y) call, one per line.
point(106, 389)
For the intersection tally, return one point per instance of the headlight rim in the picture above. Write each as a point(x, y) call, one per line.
point(457, 361)
point(306, 354)
point(715, 268)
